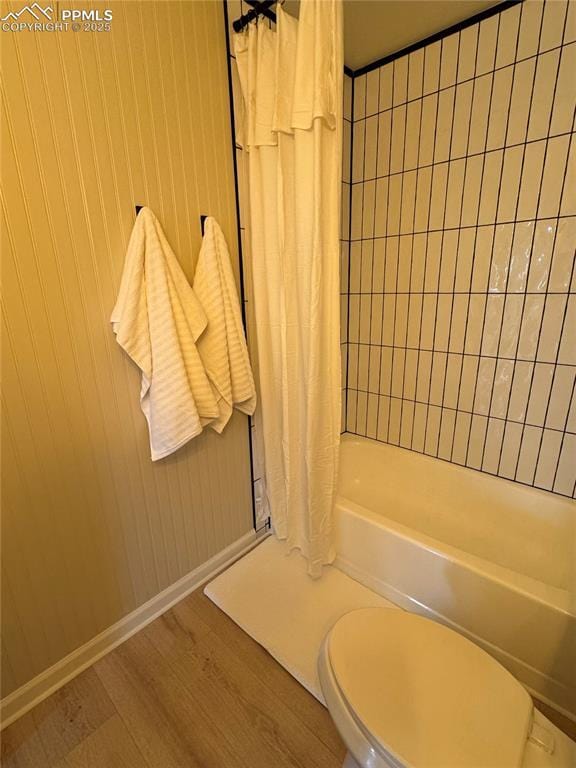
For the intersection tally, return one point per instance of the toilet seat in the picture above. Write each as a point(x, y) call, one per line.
point(423, 695)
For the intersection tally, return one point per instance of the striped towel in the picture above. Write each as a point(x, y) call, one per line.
point(223, 344)
point(157, 321)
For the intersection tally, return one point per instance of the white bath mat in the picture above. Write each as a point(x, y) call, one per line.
point(271, 597)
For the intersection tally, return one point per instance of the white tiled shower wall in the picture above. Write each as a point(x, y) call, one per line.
point(461, 305)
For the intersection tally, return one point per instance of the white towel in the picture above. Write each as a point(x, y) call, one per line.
point(157, 321)
point(223, 344)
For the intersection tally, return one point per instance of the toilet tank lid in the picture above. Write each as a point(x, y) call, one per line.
point(429, 697)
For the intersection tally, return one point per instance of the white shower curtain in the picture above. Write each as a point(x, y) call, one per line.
point(291, 79)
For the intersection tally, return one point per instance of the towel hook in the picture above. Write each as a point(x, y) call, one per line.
point(202, 218)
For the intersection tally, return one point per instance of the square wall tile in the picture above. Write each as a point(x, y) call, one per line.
point(510, 450)
point(407, 422)
point(565, 96)
point(449, 60)
point(510, 328)
point(423, 196)
point(464, 260)
point(550, 330)
point(501, 388)
point(444, 124)
point(480, 113)
point(368, 208)
point(510, 184)
point(566, 469)
point(549, 453)
point(483, 245)
point(499, 108)
point(398, 134)
point(412, 135)
point(454, 193)
point(400, 90)
point(501, 252)
point(418, 428)
point(487, 40)
point(560, 397)
point(428, 129)
point(358, 151)
point(432, 55)
point(372, 416)
point(367, 266)
point(415, 74)
point(460, 441)
point(529, 449)
point(467, 56)
point(384, 143)
point(533, 164)
point(386, 86)
point(490, 187)
point(508, 34)
point(541, 254)
point(351, 411)
point(347, 97)
point(361, 413)
point(467, 382)
point(568, 207)
point(542, 96)
point(567, 354)
point(552, 31)
point(372, 91)
point(562, 270)
point(359, 97)
point(556, 176)
point(382, 419)
point(530, 24)
point(492, 446)
point(520, 261)
point(462, 126)
point(540, 387)
point(522, 96)
point(432, 432)
point(370, 147)
point(530, 329)
point(522, 374)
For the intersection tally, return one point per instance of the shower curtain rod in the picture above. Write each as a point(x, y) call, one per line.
point(259, 8)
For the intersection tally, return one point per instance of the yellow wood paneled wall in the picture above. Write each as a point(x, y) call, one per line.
point(92, 123)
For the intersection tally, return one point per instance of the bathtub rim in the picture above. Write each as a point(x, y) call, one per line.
point(561, 599)
point(551, 597)
point(517, 485)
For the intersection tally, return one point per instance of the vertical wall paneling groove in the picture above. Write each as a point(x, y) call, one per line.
point(461, 281)
point(93, 124)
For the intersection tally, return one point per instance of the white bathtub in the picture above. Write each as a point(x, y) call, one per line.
point(491, 558)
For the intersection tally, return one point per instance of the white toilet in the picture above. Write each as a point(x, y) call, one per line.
point(407, 692)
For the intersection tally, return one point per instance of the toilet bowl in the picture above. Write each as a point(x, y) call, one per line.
point(407, 692)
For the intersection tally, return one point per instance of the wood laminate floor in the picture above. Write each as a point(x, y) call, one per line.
point(191, 690)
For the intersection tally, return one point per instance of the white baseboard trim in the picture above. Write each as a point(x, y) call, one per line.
point(40, 687)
